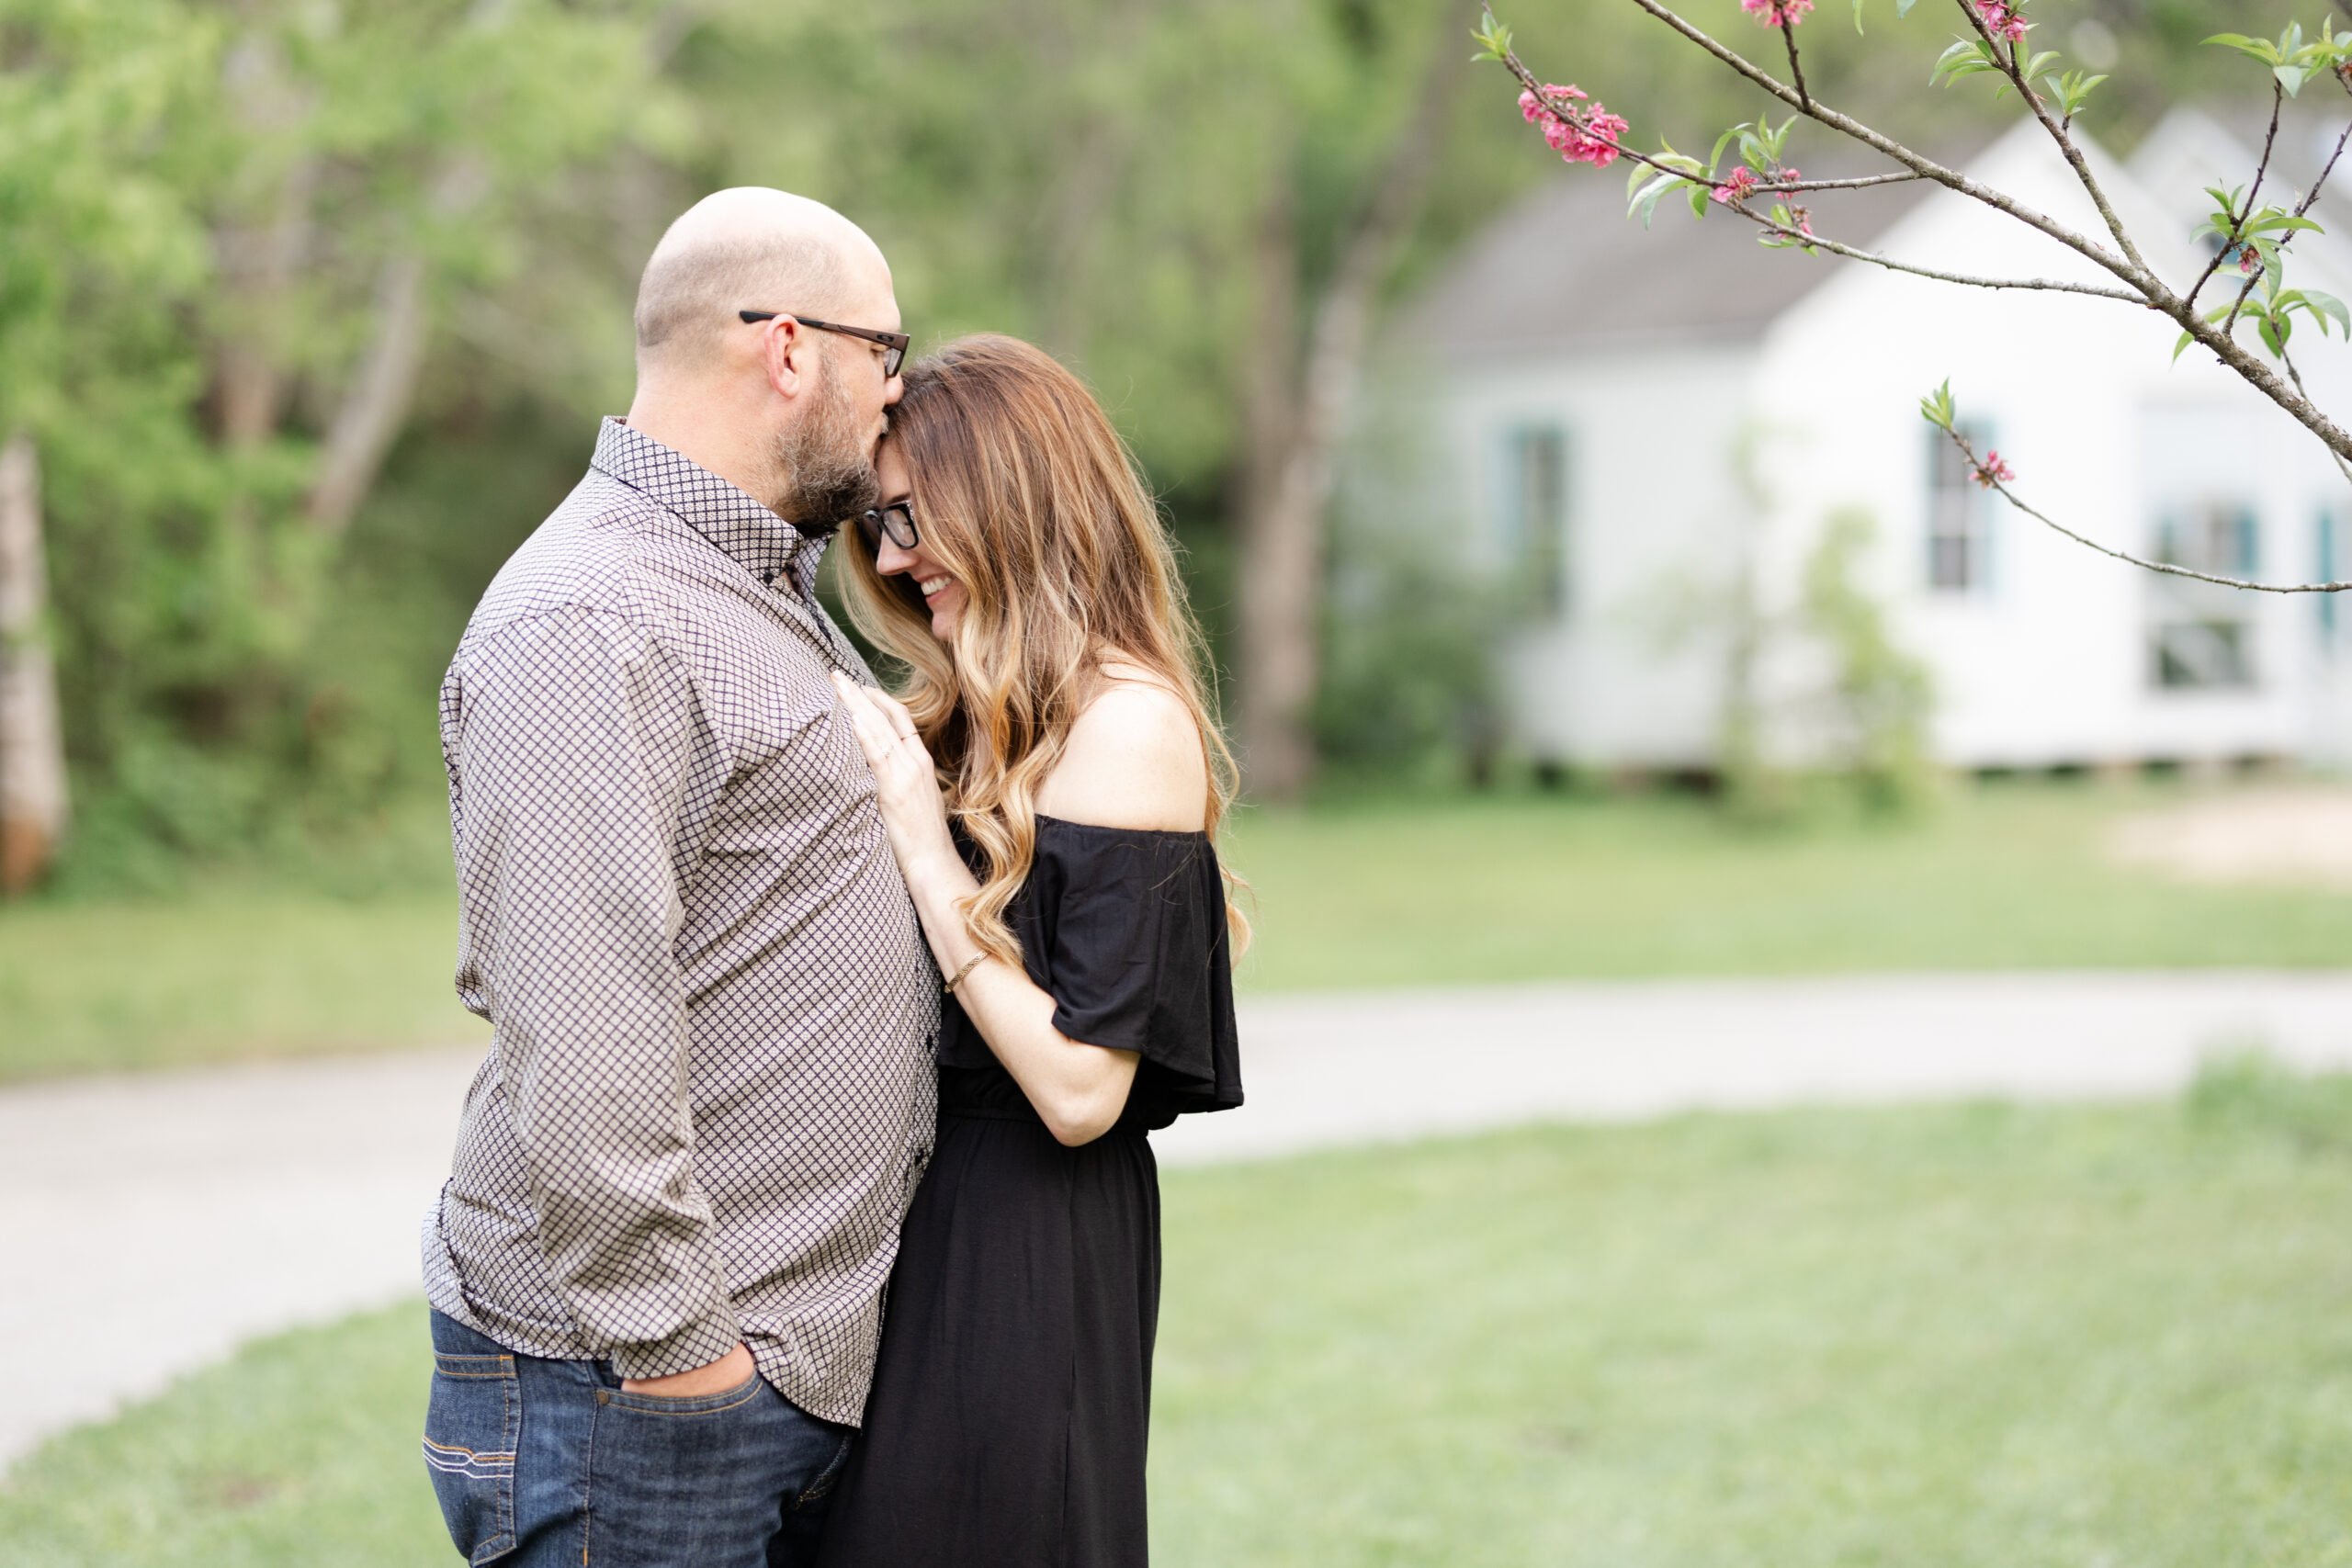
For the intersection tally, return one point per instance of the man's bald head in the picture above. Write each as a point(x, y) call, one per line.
point(747, 249)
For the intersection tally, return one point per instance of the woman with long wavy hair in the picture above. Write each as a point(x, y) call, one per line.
point(1053, 782)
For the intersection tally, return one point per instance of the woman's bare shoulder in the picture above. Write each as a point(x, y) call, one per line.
point(1133, 759)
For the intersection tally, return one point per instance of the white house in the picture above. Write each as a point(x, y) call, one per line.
point(1652, 425)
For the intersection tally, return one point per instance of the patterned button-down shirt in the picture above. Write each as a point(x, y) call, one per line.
point(710, 1091)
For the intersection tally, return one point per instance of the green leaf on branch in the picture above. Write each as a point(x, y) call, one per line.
point(2323, 306)
point(2274, 219)
point(2292, 61)
point(2071, 90)
point(1493, 40)
point(1646, 185)
point(1968, 57)
point(1936, 407)
point(1760, 145)
point(1788, 232)
point(1715, 158)
point(1643, 203)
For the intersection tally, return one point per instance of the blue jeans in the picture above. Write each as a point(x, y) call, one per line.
point(544, 1462)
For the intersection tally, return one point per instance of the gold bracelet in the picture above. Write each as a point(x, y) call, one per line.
point(969, 965)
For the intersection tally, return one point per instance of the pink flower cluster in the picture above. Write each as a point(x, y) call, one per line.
point(1777, 13)
point(1583, 133)
point(1992, 469)
point(1744, 179)
point(2003, 19)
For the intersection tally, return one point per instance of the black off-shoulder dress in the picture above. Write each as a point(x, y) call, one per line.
point(1011, 1401)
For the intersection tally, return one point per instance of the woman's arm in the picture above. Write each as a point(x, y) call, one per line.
point(1127, 764)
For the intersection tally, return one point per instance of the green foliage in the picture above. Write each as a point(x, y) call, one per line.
point(2292, 60)
point(1882, 695)
point(1409, 685)
point(1101, 176)
point(201, 207)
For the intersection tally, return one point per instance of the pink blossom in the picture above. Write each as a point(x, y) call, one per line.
point(1992, 469)
point(1777, 13)
point(1735, 189)
point(1581, 132)
point(2247, 260)
point(1530, 106)
point(2002, 18)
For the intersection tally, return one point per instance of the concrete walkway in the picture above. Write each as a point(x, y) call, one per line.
point(148, 1225)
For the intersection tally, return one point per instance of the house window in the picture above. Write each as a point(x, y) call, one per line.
point(1959, 520)
point(2202, 633)
point(1536, 515)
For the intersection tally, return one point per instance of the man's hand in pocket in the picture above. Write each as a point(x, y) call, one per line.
point(715, 1378)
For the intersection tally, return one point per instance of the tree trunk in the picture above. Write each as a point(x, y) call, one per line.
point(1298, 412)
point(32, 752)
point(262, 240)
point(376, 404)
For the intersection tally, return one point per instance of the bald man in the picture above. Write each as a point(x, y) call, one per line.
point(656, 1271)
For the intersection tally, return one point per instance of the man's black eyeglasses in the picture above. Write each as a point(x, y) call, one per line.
point(895, 341)
point(897, 520)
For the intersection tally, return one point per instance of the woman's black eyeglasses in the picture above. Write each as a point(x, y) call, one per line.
point(896, 343)
point(897, 520)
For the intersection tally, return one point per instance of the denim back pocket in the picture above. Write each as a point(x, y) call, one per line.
point(471, 1430)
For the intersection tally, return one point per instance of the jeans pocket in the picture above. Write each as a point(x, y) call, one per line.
point(471, 1426)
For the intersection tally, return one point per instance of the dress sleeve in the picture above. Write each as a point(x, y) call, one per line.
point(1137, 956)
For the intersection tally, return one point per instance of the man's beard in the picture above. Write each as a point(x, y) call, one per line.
point(824, 471)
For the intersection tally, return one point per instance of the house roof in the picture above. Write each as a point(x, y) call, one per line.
point(1567, 270)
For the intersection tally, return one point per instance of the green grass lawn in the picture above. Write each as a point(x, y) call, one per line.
point(1964, 1335)
point(1520, 888)
point(224, 975)
point(1507, 887)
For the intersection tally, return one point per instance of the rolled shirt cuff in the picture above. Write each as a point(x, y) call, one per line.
point(698, 1344)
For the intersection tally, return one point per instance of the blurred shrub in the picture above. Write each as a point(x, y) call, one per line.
point(1880, 696)
point(1408, 688)
point(2251, 1091)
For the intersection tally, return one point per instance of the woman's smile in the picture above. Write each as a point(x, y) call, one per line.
point(943, 595)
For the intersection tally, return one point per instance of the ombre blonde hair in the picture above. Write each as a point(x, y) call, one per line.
point(1026, 494)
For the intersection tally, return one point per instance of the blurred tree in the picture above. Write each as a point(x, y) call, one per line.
point(1300, 386)
point(245, 244)
point(234, 223)
point(33, 758)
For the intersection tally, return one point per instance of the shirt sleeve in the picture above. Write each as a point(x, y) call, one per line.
point(1139, 957)
point(576, 732)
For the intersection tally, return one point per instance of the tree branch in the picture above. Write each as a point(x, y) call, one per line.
point(1991, 481)
point(2341, 466)
point(1519, 69)
point(1864, 183)
point(1789, 32)
point(2277, 97)
point(2073, 154)
point(2049, 285)
point(1926, 168)
point(2151, 289)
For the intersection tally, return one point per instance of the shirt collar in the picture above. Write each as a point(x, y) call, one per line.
point(751, 536)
